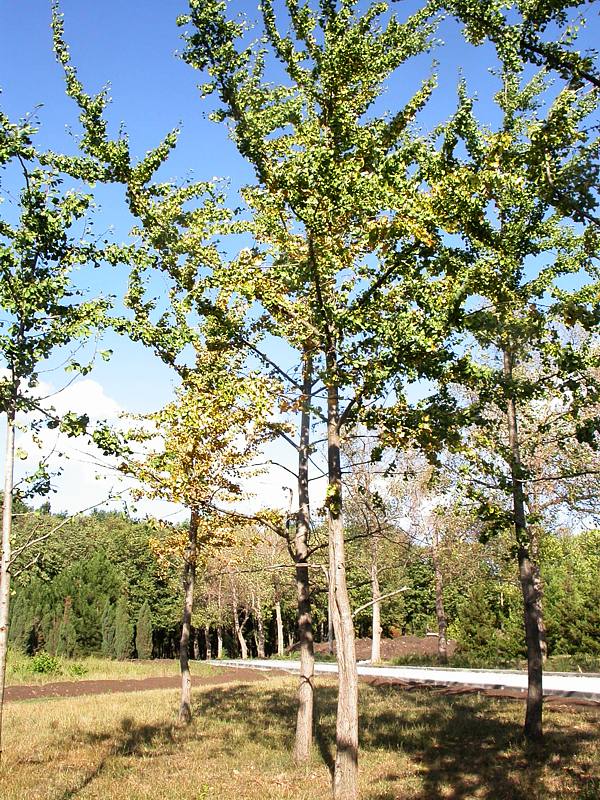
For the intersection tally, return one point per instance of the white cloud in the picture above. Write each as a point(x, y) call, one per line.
point(82, 475)
point(83, 396)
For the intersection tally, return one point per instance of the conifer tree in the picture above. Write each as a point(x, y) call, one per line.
point(108, 630)
point(143, 632)
point(66, 642)
point(123, 630)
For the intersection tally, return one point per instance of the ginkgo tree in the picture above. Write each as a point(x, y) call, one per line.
point(43, 241)
point(343, 264)
point(532, 276)
point(201, 449)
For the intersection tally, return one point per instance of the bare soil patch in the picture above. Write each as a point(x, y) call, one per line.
point(222, 675)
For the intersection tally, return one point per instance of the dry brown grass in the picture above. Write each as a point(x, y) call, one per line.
point(419, 745)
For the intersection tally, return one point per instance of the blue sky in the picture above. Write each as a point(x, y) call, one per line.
point(132, 45)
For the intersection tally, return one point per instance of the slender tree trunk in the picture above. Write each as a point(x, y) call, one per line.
point(189, 576)
point(220, 625)
point(533, 714)
point(345, 778)
point(306, 689)
point(440, 611)
point(260, 630)
point(207, 643)
point(236, 622)
point(196, 644)
point(242, 640)
point(6, 554)
point(376, 610)
point(278, 617)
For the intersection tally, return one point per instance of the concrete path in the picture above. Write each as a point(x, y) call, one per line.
point(565, 684)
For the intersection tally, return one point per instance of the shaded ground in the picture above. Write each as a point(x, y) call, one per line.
point(79, 688)
point(460, 689)
point(414, 746)
point(396, 648)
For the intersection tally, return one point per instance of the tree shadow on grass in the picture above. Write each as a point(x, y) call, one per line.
point(464, 750)
point(459, 746)
point(131, 740)
point(271, 716)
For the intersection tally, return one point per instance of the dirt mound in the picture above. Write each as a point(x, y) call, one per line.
point(399, 647)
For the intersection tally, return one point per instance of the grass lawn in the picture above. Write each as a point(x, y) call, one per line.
point(19, 669)
point(414, 745)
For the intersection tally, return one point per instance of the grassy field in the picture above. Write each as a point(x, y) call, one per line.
point(415, 745)
point(19, 669)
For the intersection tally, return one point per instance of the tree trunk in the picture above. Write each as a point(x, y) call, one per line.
point(236, 622)
point(260, 630)
point(440, 612)
point(533, 714)
point(304, 719)
point(196, 644)
point(207, 642)
point(220, 625)
point(280, 643)
point(376, 610)
point(6, 554)
point(345, 778)
point(539, 589)
point(330, 633)
point(242, 641)
point(189, 576)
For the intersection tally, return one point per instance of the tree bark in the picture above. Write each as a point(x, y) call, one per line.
point(531, 605)
point(189, 577)
point(220, 625)
point(330, 632)
point(236, 621)
point(539, 589)
point(279, 619)
point(345, 778)
point(6, 553)
point(376, 610)
point(304, 718)
point(207, 643)
point(260, 629)
point(440, 611)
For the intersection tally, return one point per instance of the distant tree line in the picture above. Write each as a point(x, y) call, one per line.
point(100, 589)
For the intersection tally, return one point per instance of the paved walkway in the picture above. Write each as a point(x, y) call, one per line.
point(562, 684)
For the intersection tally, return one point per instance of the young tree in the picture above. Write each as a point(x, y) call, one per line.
point(340, 218)
point(520, 247)
point(208, 437)
point(42, 310)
